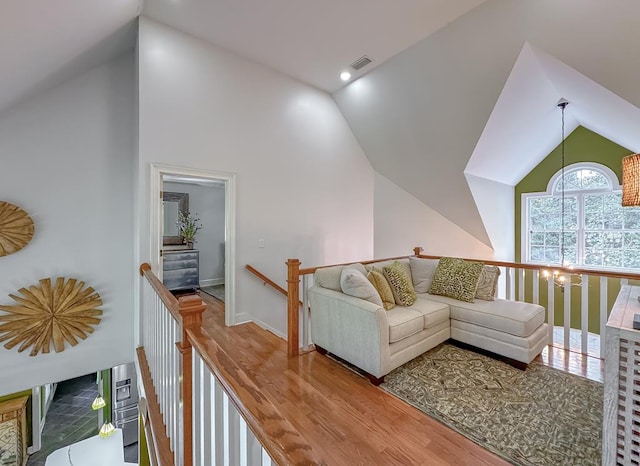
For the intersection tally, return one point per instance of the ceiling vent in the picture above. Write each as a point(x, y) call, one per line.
point(360, 63)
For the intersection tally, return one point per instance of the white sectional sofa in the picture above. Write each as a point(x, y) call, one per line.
point(378, 340)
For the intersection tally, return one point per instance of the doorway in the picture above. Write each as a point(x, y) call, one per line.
point(208, 199)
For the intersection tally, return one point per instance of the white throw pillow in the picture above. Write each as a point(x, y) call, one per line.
point(422, 271)
point(354, 283)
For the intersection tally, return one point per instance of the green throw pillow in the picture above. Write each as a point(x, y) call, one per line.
point(456, 278)
point(400, 283)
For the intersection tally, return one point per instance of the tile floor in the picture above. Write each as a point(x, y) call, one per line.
point(70, 417)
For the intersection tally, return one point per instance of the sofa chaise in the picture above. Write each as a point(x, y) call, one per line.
point(377, 340)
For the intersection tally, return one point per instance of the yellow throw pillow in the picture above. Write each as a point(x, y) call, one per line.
point(382, 285)
point(400, 283)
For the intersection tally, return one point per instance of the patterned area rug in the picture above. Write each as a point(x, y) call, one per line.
point(541, 416)
point(217, 291)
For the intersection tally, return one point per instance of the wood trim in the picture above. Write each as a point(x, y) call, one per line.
point(293, 300)
point(159, 437)
point(309, 270)
point(284, 443)
point(567, 270)
point(267, 280)
point(165, 295)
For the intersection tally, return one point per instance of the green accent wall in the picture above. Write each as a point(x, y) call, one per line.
point(582, 145)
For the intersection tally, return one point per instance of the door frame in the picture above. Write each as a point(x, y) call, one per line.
point(157, 173)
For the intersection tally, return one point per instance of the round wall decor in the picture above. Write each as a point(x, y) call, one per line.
point(16, 228)
point(46, 314)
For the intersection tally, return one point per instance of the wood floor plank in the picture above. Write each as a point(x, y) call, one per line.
point(342, 416)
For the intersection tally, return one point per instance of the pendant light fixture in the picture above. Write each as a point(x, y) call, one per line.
point(631, 180)
point(560, 278)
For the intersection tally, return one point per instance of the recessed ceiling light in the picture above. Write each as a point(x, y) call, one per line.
point(345, 76)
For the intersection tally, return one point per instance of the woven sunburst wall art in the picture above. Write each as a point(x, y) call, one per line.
point(46, 314)
point(16, 228)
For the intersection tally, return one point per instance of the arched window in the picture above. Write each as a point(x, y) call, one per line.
point(598, 231)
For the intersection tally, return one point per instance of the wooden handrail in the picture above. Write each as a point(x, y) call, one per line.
point(284, 443)
point(562, 270)
point(267, 281)
point(165, 295)
point(309, 270)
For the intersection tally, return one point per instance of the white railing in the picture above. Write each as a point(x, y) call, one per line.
point(160, 333)
point(221, 435)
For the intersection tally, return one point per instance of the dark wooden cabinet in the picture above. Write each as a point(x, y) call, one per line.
point(180, 269)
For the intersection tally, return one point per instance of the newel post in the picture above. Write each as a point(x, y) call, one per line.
point(191, 309)
point(293, 301)
point(417, 250)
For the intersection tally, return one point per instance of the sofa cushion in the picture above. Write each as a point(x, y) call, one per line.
point(488, 283)
point(403, 322)
point(354, 283)
point(400, 284)
point(514, 317)
point(329, 277)
point(433, 312)
point(422, 271)
point(382, 286)
point(456, 278)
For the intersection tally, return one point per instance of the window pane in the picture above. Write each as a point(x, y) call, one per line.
point(537, 238)
point(593, 202)
point(632, 259)
point(613, 220)
point(631, 218)
point(613, 240)
point(552, 238)
point(594, 220)
point(612, 201)
point(593, 256)
point(553, 222)
point(632, 240)
point(537, 253)
point(592, 179)
point(552, 255)
point(613, 258)
point(593, 240)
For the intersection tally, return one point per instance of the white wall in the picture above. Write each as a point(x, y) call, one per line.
point(207, 203)
point(403, 222)
point(303, 183)
point(66, 159)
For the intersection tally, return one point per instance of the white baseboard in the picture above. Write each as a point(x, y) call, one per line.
point(271, 329)
point(212, 282)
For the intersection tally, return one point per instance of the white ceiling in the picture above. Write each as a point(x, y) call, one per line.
point(43, 43)
point(308, 39)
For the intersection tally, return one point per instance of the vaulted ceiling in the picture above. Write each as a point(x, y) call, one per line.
point(440, 67)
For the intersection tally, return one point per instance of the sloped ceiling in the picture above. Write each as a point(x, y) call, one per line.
point(420, 115)
point(44, 43)
point(310, 40)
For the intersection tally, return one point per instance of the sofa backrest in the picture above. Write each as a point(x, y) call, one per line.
point(329, 277)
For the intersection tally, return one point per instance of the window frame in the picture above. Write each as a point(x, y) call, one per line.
point(614, 187)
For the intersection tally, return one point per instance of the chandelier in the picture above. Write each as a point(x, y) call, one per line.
point(561, 277)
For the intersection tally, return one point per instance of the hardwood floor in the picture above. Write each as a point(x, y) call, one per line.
point(344, 418)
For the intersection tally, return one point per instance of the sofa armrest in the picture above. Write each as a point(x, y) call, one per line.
point(351, 328)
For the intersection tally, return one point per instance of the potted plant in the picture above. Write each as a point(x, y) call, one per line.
point(188, 226)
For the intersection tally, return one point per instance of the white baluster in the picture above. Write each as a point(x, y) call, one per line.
point(508, 282)
point(305, 312)
point(207, 408)
point(234, 434)
point(254, 449)
point(604, 292)
point(567, 313)
point(536, 286)
point(584, 318)
point(551, 302)
point(219, 425)
point(520, 284)
point(197, 407)
point(624, 281)
point(266, 459)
